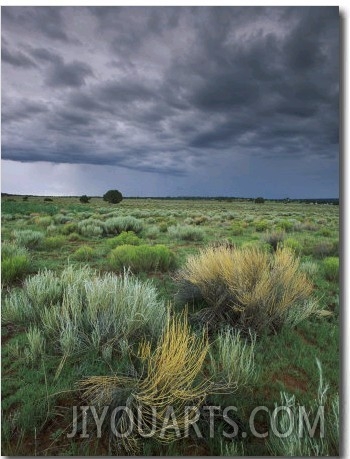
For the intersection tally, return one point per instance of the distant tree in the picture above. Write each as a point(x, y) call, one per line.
point(113, 196)
point(84, 199)
point(259, 200)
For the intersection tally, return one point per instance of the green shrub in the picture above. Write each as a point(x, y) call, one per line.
point(124, 238)
point(84, 199)
point(231, 359)
point(261, 226)
point(249, 219)
point(91, 228)
point(43, 290)
point(85, 215)
point(306, 226)
point(84, 253)
point(142, 258)
point(54, 242)
point(79, 311)
point(323, 249)
point(259, 200)
point(51, 229)
point(61, 219)
point(331, 268)
point(69, 228)
point(163, 227)
point(117, 225)
point(113, 196)
point(199, 220)
point(8, 217)
point(152, 232)
point(43, 221)
point(186, 233)
point(256, 245)
point(14, 262)
point(28, 238)
point(285, 225)
point(237, 229)
point(36, 344)
point(309, 267)
point(293, 244)
point(74, 237)
point(326, 232)
point(231, 215)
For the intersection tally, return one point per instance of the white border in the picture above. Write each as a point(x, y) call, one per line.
point(345, 14)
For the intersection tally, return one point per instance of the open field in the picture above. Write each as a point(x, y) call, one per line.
point(119, 291)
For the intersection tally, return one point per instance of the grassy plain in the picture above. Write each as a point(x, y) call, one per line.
point(39, 381)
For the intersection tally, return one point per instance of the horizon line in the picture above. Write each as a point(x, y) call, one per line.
point(4, 194)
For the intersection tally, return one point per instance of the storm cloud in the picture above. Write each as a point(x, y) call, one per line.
point(175, 91)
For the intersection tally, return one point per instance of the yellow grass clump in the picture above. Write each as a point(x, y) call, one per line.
point(169, 378)
point(248, 287)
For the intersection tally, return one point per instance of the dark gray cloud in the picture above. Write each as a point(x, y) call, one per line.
point(62, 74)
point(71, 74)
point(17, 111)
point(15, 58)
point(46, 21)
point(167, 89)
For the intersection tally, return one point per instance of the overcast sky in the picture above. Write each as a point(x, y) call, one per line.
point(161, 101)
